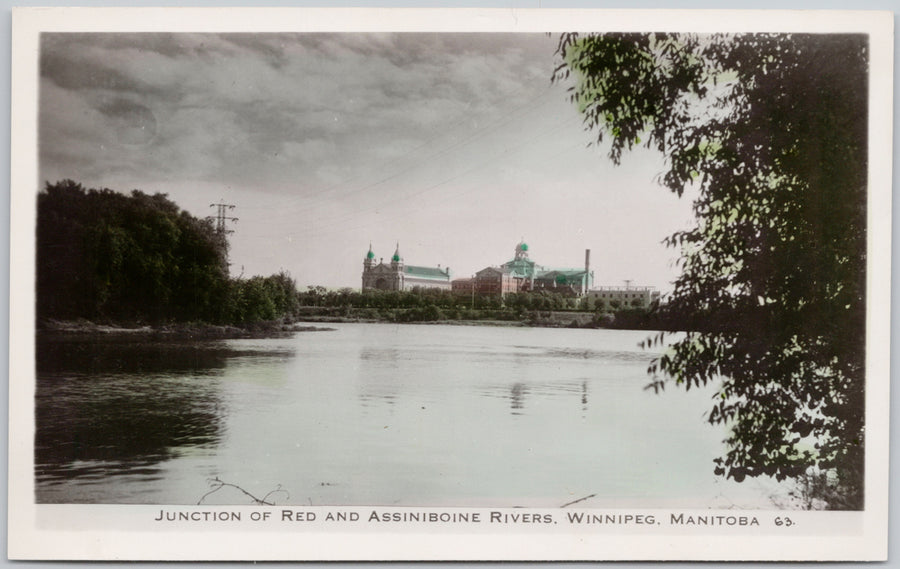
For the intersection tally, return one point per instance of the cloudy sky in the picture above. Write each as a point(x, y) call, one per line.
point(454, 145)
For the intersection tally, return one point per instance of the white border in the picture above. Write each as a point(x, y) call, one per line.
point(127, 532)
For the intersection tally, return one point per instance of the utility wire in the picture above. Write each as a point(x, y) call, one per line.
point(339, 221)
point(284, 208)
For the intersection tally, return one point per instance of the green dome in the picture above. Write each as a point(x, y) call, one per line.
point(396, 258)
point(370, 255)
point(524, 246)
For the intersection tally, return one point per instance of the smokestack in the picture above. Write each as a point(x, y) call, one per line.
point(587, 270)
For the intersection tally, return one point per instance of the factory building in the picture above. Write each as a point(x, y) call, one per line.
point(522, 274)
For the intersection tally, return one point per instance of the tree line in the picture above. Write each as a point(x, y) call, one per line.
point(106, 256)
point(423, 304)
point(138, 258)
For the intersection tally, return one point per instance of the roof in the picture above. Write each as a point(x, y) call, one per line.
point(521, 267)
point(494, 270)
point(426, 272)
point(562, 275)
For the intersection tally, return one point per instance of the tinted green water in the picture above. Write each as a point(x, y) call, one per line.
point(377, 414)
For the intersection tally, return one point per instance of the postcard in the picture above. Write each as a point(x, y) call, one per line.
point(449, 284)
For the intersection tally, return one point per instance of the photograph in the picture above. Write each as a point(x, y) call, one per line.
point(570, 278)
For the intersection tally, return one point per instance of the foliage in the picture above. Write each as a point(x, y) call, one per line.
point(261, 298)
point(817, 490)
point(110, 256)
point(539, 308)
point(102, 254)
point(769, 132)
point(445, 300)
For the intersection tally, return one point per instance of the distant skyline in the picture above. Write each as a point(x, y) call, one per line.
point(456, 146)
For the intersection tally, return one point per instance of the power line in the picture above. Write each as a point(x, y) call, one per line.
point(320, 221)
point(340, 220)
point(340, 189)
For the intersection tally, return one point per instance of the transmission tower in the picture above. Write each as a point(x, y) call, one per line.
point(221, 209)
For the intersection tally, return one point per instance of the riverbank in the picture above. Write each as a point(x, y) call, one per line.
point(355, 320)
point(633, 319)
point(181, 331)
point(308, 319)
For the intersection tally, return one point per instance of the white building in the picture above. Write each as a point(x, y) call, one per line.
point(625, 296)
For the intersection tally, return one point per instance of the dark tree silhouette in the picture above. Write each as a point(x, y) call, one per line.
point(103, 254)
point(110, 256)
point(770, 131)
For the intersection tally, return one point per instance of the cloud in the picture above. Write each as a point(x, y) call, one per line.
point(262, 94)
point(453, 143)
point(133, 123)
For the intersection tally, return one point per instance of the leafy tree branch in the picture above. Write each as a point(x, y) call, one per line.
point(769, 131)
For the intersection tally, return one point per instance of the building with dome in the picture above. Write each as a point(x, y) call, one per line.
point(521, 274)
point(397, 275)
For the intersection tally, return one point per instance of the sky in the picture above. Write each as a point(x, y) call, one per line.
point(454, 146)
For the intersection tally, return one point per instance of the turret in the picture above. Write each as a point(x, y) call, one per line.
point(370, 258)
point(396, 260)
point(521, 250)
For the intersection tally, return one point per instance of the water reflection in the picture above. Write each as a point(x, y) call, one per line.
point(517, 394)
point(372, 414)
point(372, 356)
point(581, 353)
point(119, 423)
point(123, 355)
point(105, 408)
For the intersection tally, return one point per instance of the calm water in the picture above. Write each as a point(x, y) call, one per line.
point(377, 414)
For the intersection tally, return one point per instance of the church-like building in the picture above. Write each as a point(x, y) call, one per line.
point(397, 275)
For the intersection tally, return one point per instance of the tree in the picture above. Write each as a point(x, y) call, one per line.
point(103, 254)
point(769, 131)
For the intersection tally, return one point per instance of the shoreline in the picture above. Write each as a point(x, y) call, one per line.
point(179, 331)
point(81, 328)
point(449, 322)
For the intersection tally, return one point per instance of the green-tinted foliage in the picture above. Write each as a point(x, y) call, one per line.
point(424, 298)
point(420, 305)
point(770, 131)
point(259, 299)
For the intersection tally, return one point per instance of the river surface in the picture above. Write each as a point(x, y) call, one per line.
point(377, 414)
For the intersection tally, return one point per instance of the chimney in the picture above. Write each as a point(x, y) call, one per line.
point(587, 270)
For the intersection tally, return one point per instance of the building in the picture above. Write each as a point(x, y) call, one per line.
point(624, 296)
point(463, 286)
point(522, 274)
point(497, 281)
point(397, 275)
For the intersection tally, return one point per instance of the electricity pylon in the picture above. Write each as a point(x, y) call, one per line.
point(221, 218)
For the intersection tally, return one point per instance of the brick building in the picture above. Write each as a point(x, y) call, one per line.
point(521, 274)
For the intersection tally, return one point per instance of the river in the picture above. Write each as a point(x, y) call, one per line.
point(377, 414)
